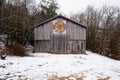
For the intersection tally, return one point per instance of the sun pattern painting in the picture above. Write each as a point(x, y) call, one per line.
point(59, 27)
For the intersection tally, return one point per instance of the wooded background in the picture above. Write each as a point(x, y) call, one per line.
point(103, 29)
point(18, 17)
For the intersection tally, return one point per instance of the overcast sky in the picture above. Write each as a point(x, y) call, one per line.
point(73, 6)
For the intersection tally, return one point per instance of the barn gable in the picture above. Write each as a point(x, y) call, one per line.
point(59, 16)
point(60, 34)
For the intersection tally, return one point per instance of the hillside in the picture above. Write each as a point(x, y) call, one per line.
point(44, 66)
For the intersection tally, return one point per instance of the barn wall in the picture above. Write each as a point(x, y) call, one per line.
point(77, 41)
point(60, 44)
point(75, 31)
point(77, 46)
point(74, 46)
point(42, 45)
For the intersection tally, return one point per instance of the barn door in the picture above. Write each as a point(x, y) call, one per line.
point(60, 44)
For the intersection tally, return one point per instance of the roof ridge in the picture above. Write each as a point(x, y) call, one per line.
point(58, 16)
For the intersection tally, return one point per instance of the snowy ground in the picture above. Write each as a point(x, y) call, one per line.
point(44, 66)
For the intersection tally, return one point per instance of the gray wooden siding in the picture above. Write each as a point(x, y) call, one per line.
point(77, 46)
point(60, 44)
point(76, 32)
point(76, 41)
point(42, 45)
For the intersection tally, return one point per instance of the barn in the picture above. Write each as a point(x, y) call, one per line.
point(60, 35)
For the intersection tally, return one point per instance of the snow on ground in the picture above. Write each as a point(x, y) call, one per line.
point(44, 66)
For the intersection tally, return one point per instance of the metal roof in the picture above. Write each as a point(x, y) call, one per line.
point(59, 16)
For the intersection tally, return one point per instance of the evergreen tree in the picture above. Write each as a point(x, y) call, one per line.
point(48, 9)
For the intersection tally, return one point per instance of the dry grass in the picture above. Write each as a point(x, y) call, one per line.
point(71, 77)
point(55, 77)
point(16, 50)
point(107, 78)
point(2, 66)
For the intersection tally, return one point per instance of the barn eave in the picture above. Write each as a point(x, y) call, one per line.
point(59, 16)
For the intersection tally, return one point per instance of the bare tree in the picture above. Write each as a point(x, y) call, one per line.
point(102, 28)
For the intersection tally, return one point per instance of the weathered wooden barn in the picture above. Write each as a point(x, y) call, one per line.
point(60, 35)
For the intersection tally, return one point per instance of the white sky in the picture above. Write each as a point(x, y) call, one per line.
point(73, 6)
